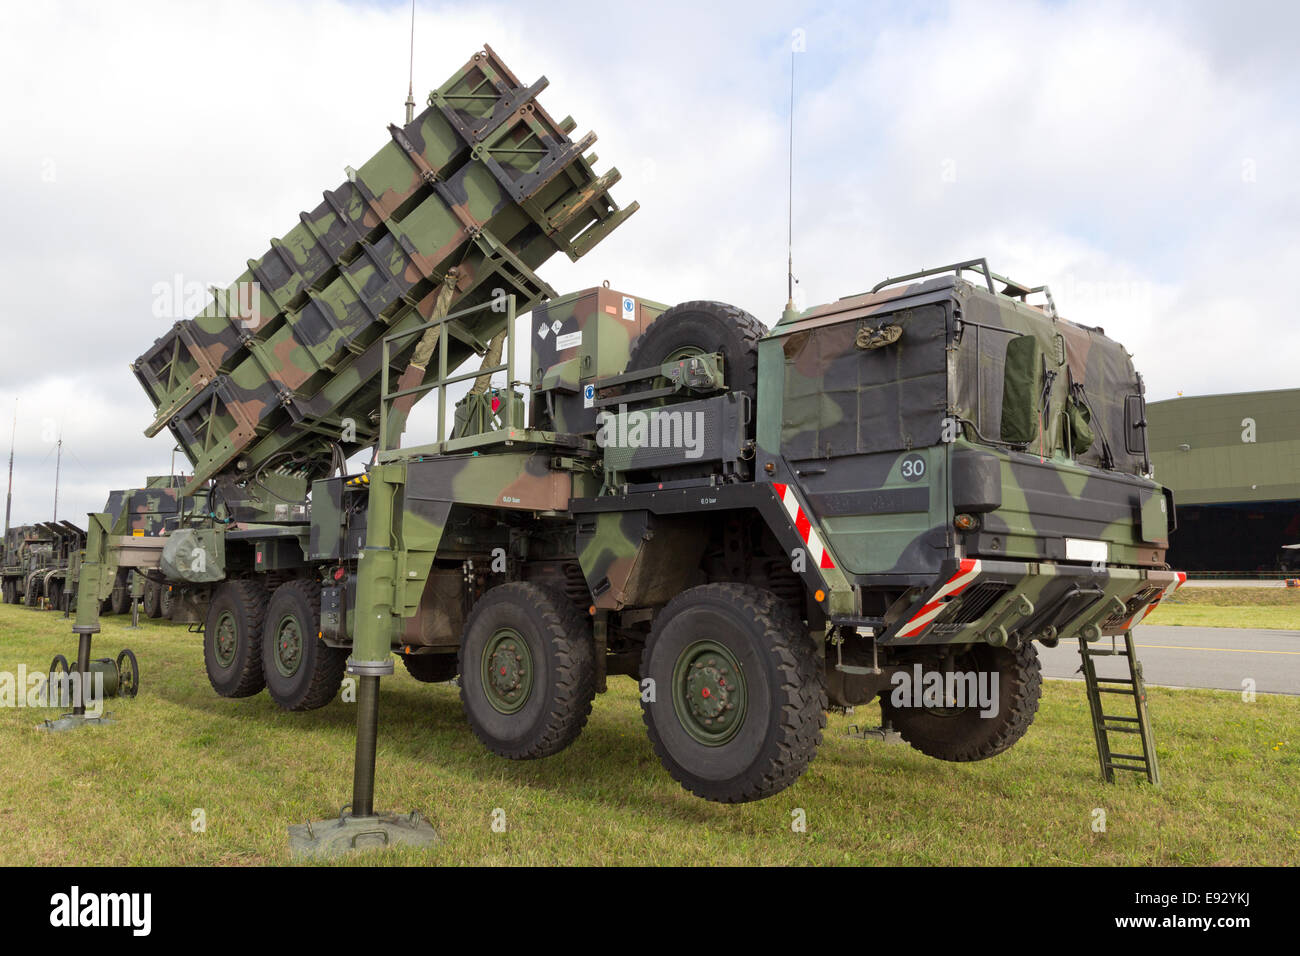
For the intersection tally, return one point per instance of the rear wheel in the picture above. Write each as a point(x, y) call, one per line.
point(302, 671)
point(152, 600)
point(738, 699)
point(431, 668)
point(527, 671)
point(10, 591)
point(232, 638)
point(966, 733)
point(119, 602)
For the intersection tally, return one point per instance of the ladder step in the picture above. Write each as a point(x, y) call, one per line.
point(1114, 680)
point(1138, 757)
point(1121, 730)
point(1121, 766)
point(1127, 720)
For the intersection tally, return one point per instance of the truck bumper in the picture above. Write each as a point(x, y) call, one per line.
point(998, 601)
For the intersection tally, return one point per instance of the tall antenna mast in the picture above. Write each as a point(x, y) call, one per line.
point(58, 465)
point(410, 89)
point(9, 501)
point(789, 213)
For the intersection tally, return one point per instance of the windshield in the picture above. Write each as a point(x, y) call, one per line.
point(1071, 390)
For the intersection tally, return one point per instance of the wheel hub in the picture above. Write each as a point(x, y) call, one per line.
point(709, 693)
point(288, 646)
point(507, 671)
point(226, 640)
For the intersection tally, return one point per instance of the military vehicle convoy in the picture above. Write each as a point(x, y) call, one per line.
point(755, 524)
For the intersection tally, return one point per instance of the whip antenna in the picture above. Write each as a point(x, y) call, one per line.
point(789, 212)
point(9, 501)
point(410, 89)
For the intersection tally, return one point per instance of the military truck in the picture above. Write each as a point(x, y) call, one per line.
point(754, 524)
point(149, 512)
point(39, 566)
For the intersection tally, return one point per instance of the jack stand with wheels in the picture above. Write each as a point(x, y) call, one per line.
point(120, 678)
point(77, 718)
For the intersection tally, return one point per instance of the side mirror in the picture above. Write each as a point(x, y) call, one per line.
point(1022, 386)
point(1135, 424)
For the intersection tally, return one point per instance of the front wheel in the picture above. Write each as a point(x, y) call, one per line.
point(737, 699)
point(527, 671)
point(1007, 685)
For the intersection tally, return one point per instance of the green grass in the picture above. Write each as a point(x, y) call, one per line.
point(1276, 608)
point(123, 794)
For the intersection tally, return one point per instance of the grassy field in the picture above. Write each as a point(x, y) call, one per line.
point(125, 793)
point(1270, 607)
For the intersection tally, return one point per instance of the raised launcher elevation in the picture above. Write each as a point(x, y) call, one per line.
point(283, 369)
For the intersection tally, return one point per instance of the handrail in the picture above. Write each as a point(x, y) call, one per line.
point(442, 380)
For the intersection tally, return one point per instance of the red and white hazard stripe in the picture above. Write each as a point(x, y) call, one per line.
point(1179, 579)
point(816, 550)
point(967, 572)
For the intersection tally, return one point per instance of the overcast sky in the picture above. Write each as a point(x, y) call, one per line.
point(1141, 159)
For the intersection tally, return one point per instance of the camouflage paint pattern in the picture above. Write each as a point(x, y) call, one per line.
point(576, 339)
point(884, 409)
point(476, 192)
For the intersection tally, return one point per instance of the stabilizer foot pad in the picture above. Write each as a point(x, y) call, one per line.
point(886, 735)
point(349, 834)
point(74, 722)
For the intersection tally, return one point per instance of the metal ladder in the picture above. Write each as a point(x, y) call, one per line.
point(1104, 724)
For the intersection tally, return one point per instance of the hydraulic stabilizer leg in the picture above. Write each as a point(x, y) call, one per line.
point(363, 771)
point(358, 825)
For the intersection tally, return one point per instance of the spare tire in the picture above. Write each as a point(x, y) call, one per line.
point(702, 328)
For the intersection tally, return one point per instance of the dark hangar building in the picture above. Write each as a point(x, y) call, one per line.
point(1233, 462)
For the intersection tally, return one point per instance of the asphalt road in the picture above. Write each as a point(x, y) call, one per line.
point(1214, 657)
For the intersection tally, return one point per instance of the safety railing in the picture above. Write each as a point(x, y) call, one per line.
point(388, 449)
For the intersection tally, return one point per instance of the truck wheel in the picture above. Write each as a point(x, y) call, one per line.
point(151, 603)
point(963, 734)
point(10, 592)
point(739, 696)
point(120, 599)
point(302, 671)
point(701, 328)
point(431, 668)
point(232, 638)
point(527, 671)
